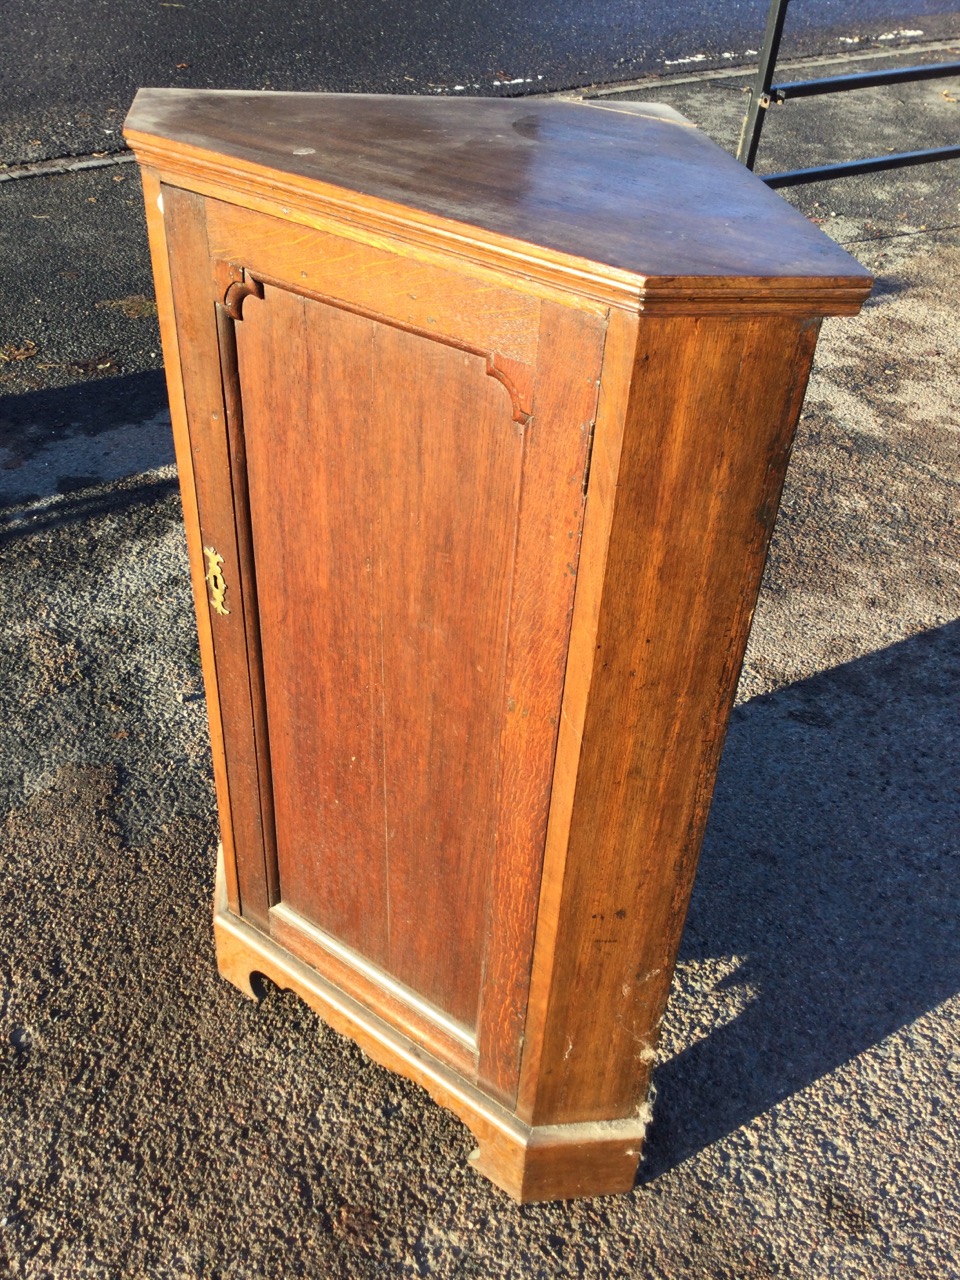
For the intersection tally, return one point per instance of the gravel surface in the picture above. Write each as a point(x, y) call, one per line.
point(155, 1124)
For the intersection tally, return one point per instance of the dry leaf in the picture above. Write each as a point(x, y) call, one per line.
point(137, 306)
point(12, 352)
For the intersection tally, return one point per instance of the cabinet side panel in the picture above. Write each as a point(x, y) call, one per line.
point(711, 419)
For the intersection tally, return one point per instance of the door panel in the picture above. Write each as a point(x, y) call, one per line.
point(384, 529)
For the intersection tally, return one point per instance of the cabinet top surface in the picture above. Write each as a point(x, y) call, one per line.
point(632, 189)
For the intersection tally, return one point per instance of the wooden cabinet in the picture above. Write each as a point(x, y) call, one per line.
point(482, 412)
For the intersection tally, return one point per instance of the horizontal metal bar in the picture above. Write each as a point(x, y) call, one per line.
point(862, 80)
point(875, 164)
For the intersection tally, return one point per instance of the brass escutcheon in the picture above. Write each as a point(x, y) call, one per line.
point(215, 578)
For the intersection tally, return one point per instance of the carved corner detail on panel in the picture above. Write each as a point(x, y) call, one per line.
point(234, 284)
point(495, 370)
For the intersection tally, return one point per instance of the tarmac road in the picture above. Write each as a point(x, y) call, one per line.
point(69, 71)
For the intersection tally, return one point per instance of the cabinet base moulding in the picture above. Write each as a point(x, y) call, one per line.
point(530, 1163)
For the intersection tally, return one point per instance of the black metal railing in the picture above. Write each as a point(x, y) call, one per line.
point(765, 94)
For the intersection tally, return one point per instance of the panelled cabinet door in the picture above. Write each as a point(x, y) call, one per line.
point(398, 562)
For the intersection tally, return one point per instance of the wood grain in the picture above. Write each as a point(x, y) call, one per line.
point(415, 295)
point(194, 288)
point(159, 253)
point(548, 549)
point(342, 866)
point(711, 418)
point(563, 1162)
point(559, 1162)
point(651, 209)
point(385, 541)
point(612, 406)
point(355, 975)
point(233, 288)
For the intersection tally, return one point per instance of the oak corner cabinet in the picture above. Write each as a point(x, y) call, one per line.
point(482, 411)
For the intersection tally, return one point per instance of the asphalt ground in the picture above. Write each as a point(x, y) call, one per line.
point(155, 1124)
point(69, 72)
